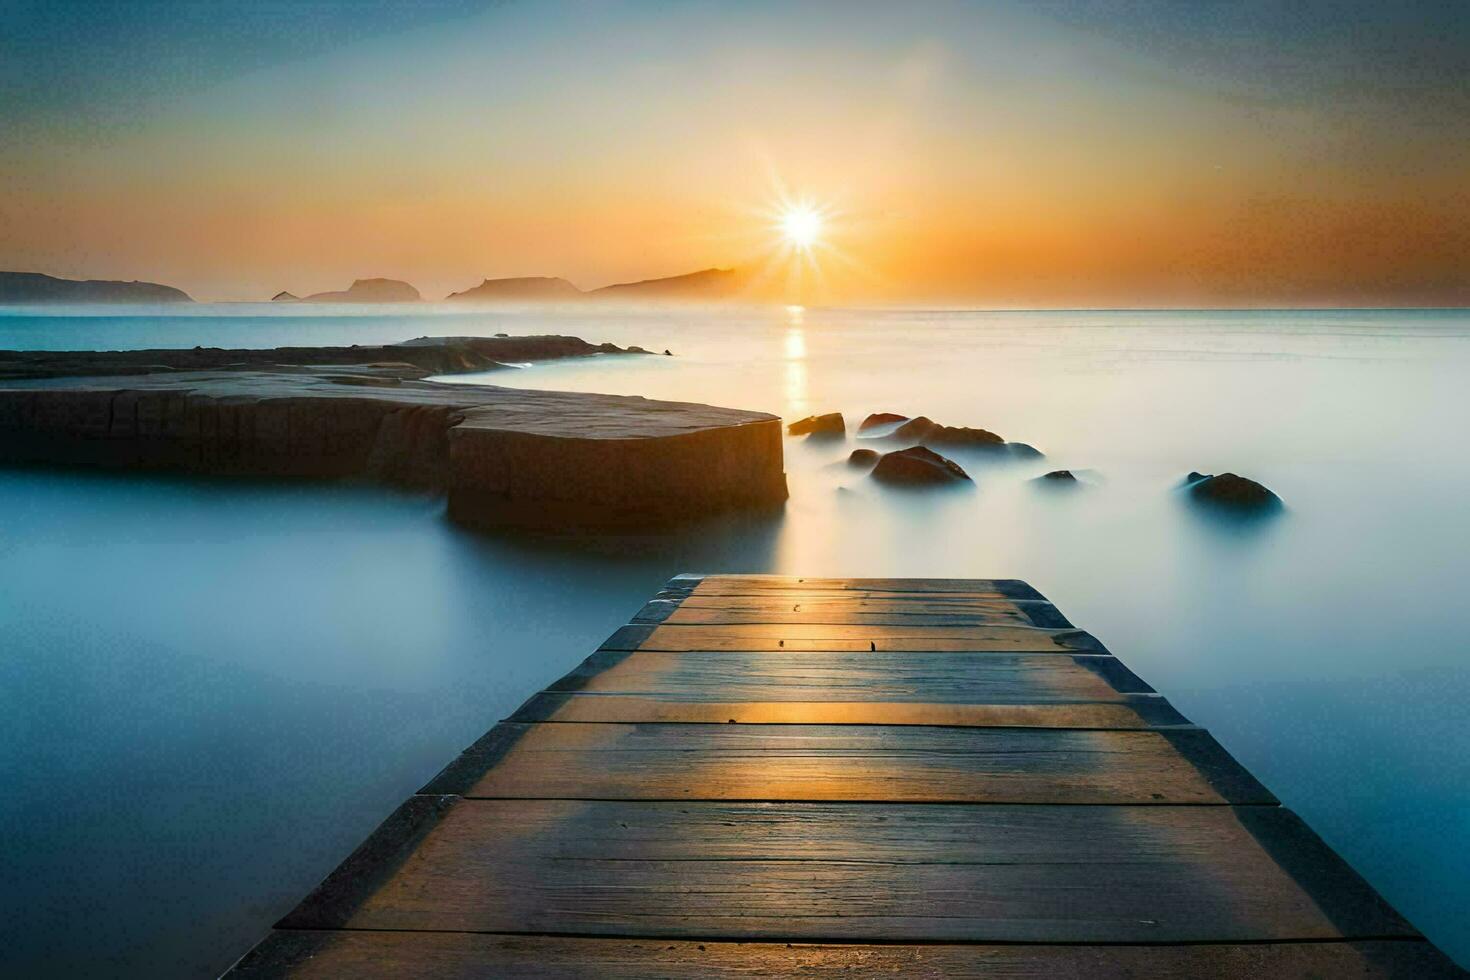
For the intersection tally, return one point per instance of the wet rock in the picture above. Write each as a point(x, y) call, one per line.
point(926, 431)
point(830, 424)
point(1056, 476)
point(1232, 492)
point(668, 353)
point(880, 419)
point(918, 466)
point(863, 457)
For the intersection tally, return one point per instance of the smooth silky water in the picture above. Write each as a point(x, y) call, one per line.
point(211, 690)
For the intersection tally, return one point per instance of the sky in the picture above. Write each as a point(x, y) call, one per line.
point(1057, 153)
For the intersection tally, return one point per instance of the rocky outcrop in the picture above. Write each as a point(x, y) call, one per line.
point(33, 287)
point(879, 419)
point(928, 432)
point(1231, 492)
point(829, 425)
point(503, 455)
point(863, 457)
point(918, 466)
point(369, 291)
point(1057, 477)
point(415, 358)
point(285, 297)
point(523, 289)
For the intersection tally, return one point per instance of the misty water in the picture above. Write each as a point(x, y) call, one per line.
point(210, 690)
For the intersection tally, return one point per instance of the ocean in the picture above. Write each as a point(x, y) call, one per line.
point(212, 690)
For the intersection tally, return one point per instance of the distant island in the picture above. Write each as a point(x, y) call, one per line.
point(33, 287)
point(706, 285)
point(522, 289)
point(361, 291)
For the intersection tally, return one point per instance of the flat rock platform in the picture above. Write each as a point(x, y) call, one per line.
point(503, 455)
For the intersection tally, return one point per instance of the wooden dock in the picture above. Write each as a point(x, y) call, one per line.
point(769, 776)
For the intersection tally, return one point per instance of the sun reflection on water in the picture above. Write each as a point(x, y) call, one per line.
point(795, 362)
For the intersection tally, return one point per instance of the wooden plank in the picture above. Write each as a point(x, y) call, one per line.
point(735, 617)
point(835, 675)
point(309, 954)
point(750, 584)
point(912, 764)
point(801, 636)
point(864, 872)
point(839, 597)
point(941, 611)
point(1131, 712)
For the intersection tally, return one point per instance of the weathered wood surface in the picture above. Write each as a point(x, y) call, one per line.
point(852, 762)
point(956, 784)
point(1132, 713)
point(856, 675)
point(876, 637)
point(319, 955)
point(872, 608)
point(759, 584)
point(866, 872)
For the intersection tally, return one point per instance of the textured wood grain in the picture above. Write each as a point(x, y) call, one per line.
point(798, 675)
point(735, 610)
point(1129, 712)
point(752, 584)
point(862, 762)
point(804, 636)
point(860, 872)
point(842, 598)
point(316, 955)
point(733, 617)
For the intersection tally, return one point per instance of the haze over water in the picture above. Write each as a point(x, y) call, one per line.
point(217, 688)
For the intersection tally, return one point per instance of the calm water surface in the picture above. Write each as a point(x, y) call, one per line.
point(211, 691)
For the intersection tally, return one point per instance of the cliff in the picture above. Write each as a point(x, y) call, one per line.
point(33, 287)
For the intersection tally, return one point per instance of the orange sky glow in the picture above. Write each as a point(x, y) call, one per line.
point(985, 156)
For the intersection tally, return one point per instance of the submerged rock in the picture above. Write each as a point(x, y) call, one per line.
point(1056, 476)
point(881, 418)
point(863, 457)
point(918, 466)
point(1232, 492)
point(830, 424)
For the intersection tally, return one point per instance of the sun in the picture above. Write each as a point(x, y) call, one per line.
point(801, 226)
